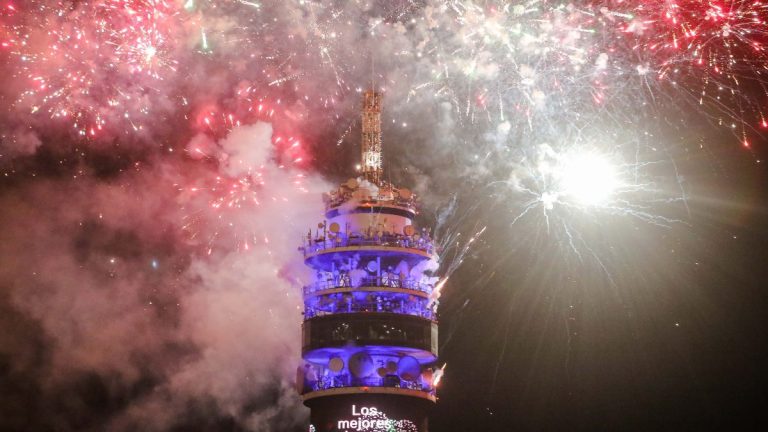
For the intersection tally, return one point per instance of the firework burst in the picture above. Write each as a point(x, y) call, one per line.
point(90, 64)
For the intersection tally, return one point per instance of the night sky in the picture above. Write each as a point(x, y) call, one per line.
point(161, 161)
point(675, 341)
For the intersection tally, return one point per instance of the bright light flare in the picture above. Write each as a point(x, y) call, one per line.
point(438, 375)
point(583, 179)
point(589, 178)
point(580, 177)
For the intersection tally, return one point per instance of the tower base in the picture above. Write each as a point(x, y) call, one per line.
point(369, 413)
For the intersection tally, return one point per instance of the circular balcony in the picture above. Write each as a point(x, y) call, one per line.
point(390, 197)
point(334, 385)
point(374, 207)
point(319, 252)
point(369, 302)
point(343, 284)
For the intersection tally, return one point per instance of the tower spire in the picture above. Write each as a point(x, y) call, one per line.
point(371, 162)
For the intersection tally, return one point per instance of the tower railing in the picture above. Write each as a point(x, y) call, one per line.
point(343, 280)
point(345, 380)
point(337, 200)
point(422, 244)
point(418, 307)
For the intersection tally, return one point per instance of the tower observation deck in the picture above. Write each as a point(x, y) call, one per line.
point(369, 336)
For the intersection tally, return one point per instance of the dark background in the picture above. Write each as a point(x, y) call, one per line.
point(676, 341)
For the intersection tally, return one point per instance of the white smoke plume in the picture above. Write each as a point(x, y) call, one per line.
point(111, 298)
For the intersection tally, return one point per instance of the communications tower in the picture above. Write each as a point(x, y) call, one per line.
point(369, 335)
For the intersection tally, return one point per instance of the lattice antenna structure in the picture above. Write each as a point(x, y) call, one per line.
point(371, 161)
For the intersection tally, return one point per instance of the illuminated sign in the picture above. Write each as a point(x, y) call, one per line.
point(372, 419)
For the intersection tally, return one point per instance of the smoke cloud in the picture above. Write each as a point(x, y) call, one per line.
point(116, 319)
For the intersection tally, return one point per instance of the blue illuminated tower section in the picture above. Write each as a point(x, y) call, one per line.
point(369, 336)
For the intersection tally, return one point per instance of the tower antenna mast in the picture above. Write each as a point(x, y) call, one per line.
point(371, 161)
